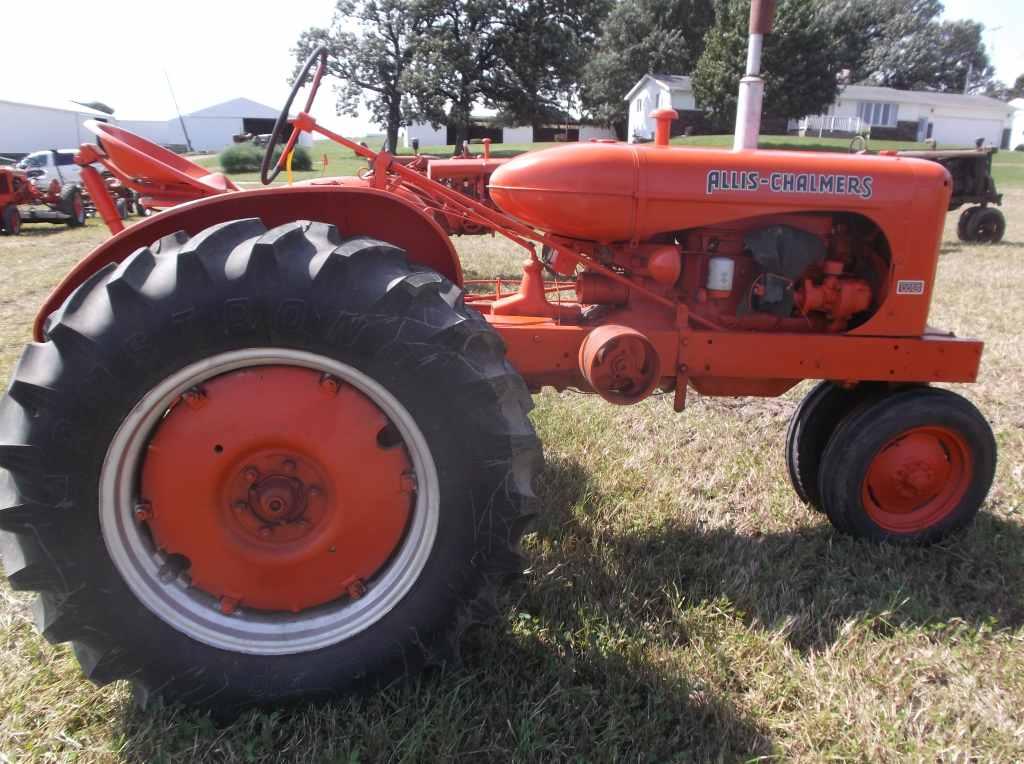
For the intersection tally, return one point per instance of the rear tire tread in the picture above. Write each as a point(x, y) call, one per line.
point(331, 266)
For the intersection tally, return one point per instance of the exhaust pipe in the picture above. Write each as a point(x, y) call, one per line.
point(751, 97)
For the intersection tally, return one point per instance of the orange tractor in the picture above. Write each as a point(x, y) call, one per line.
point(21, 201)
point(269, 445)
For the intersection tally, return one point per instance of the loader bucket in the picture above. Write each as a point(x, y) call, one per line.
point(138, 158)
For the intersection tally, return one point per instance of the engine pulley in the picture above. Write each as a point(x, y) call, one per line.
point(620, 364)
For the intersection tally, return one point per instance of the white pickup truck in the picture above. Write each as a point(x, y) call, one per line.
point(44, 166)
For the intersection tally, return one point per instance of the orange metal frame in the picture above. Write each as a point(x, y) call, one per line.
point(895, 345)
point(600, 195)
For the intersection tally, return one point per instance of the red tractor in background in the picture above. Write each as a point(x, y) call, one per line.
point(267, 446)
point(22, 202)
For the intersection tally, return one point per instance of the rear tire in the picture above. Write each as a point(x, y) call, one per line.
point(11, 220)
point(353, 309)
point(964, 232)
point(913, 466)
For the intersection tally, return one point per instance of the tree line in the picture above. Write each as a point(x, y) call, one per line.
point(540, 61)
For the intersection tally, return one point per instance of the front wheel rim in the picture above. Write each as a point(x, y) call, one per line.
point(154, 577)
point(917, 479)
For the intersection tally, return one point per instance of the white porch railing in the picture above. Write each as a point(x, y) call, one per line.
point(824, 123)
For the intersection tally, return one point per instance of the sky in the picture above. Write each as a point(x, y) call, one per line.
point(216, 50)
point(1003, 20)
point(117, 53)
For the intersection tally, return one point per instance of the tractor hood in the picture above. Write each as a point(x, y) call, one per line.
point(604, 191)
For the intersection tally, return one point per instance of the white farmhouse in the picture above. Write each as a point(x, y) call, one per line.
point(658, 91)
point(951, 119)
point(27, 127)
point(1017, 125)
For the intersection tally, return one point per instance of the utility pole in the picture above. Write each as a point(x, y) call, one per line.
point(184, 130)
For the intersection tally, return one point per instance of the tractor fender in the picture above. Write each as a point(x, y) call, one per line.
point(356, 210)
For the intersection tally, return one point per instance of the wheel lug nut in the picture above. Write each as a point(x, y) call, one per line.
point(355, 589)
point(252, 474)
point(329, 384)
point(194, 397)
point(143, 511)
point(266, 531)
point(228, 605)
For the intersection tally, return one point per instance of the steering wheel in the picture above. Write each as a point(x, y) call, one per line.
point(319, 58)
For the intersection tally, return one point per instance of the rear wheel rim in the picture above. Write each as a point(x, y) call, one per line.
point(917, 479)
point(314, 613)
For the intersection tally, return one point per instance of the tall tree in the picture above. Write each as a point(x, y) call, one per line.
point(373, 45)
point(905, 45)
point(642, 37)
point(519, 56)
point(945, 56)
point(544, 46)
point(799, 68)
point(1017, 90)
point(457, 60)
point(861, 27)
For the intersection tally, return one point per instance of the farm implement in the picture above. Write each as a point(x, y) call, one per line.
point(21, 201)
point(973, 184)
point(269, 444)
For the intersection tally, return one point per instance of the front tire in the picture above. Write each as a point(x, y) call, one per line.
point(913, 466)
point(987, 225)
point(336, 379)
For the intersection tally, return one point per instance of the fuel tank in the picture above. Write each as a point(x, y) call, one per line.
point(617, 191)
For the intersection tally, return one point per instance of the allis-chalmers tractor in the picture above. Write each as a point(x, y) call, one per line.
point(266, 445)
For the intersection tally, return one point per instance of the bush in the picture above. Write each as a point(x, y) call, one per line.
point(244, 157)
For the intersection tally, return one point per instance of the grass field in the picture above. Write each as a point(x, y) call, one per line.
point(1008, 166)
point(680, 603)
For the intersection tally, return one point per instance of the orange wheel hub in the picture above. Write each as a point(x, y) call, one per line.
point(917, 479)
point(282, 487)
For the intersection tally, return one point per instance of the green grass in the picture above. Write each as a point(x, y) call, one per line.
point(343, 161)
point(680, 603)
point(1007, 168)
